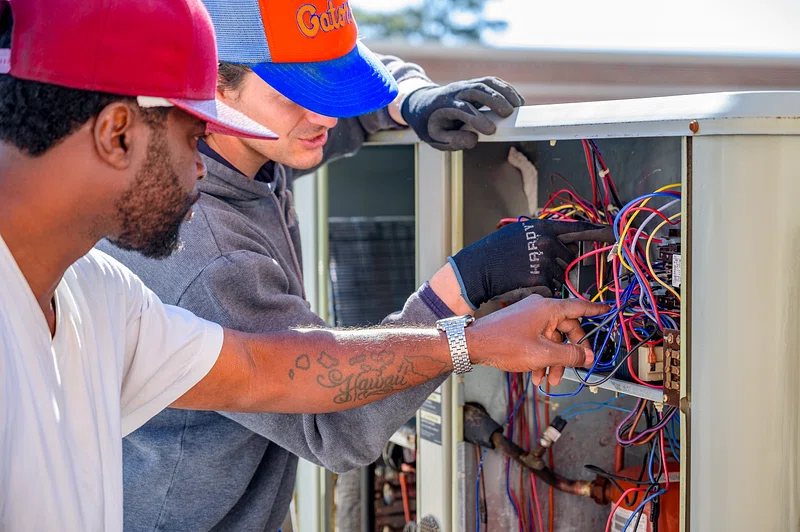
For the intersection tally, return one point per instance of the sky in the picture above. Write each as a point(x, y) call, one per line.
point(724, 26)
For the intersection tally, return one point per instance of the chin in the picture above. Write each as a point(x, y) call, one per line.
point(306, 159)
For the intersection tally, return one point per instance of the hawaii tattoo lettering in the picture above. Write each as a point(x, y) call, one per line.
point(368, 375)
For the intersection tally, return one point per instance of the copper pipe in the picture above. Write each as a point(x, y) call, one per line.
point(481, 429)
point(619, 458)
point(583, 488)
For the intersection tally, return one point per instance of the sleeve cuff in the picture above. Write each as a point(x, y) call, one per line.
point(405, 87)
point(437, 306)
point(197, 367)
point(461, 283)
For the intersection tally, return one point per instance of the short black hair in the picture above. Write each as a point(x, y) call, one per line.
point(35, 116)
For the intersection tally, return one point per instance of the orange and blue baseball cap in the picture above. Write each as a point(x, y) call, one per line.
point(308, 50)
point(162, 52)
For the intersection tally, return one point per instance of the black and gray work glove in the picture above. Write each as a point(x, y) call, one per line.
point(441, 115)
point(529, 254)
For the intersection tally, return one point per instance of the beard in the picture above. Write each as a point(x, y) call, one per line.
point(152, 210)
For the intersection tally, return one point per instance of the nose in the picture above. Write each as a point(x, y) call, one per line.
point(201, 166)
point(322, 120)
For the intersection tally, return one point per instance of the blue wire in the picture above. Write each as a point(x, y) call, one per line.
point(478, 494)
point(508, 488)
point(602, 405)
point(639, 508)
point(530, 512)
point(672, 448)
point(522, 398)
point(650, 463)
point(536, 427)
point(625, 250)
point(673, 440)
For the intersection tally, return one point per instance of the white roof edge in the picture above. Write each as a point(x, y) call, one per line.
point(723, 113)
point(402, 48)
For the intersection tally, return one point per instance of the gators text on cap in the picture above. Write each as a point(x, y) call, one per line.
point(306, 50)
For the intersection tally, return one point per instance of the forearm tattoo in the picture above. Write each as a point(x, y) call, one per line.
point(368, 375)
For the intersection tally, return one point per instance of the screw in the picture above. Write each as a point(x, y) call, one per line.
point(685, 405)
point(666, 398)
point(694, 126)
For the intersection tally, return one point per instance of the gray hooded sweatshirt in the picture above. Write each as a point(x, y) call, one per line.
point(240, 267)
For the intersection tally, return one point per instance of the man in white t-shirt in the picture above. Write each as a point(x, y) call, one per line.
point(100, 114)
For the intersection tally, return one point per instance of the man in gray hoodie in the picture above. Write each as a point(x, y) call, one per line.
point(197, 470)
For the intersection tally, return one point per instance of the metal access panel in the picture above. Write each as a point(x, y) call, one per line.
point(492, 190)
point(735, 155)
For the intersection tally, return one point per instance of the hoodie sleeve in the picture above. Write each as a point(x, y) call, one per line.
point(338, 441)
point(346, 138)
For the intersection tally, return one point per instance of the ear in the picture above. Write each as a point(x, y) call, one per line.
point(226, 96)
point(114, 134)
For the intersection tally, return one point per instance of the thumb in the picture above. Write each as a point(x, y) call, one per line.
point(568, 355)
point(585, 232)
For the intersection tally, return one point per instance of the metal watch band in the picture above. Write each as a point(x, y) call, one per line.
point(457, 340)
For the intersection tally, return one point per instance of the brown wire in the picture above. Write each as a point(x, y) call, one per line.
point(632, 431)
point(636, 419)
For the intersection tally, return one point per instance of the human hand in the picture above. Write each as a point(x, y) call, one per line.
point(529, 254)
point(527, 336)
point(440, 115)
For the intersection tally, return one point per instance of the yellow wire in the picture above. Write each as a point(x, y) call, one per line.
point(600, 293)
point(650, 264)
point(630, 222)
point(572, 206)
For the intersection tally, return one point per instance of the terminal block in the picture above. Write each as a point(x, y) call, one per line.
point(672, 367)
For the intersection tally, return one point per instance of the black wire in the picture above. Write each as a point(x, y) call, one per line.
point(640, 512)
point(625, 358)
point(615, 477)
point(655, 486)
point(603, 323)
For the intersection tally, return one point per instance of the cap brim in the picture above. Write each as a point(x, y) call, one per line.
point(352, 85)
point(223, 119)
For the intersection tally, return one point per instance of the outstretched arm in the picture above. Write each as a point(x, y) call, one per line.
point(323, 370)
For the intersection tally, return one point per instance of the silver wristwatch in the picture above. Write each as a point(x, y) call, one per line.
point(457, 340)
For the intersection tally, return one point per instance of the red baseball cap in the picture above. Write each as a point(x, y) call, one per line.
point(163, 52)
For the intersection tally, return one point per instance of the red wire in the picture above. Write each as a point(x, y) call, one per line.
point(533, 478)
point(617, 504)
point(615, 266)
point(635, 377)
point(514, 500)
point(640, 274)
point(590, 166)
point(663, 452)
point(648, 209)
point(551, 491)
point(576, 199)
point(597, 280)
point(576, 261)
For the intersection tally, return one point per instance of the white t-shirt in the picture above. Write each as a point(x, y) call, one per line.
point(119, 356)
